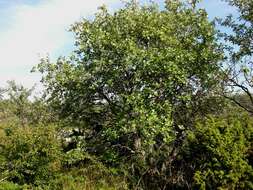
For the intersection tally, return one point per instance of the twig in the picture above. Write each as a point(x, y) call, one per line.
point(3, 179)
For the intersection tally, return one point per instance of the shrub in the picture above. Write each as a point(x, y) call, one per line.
point(9, 186)
point(30, 155)
point(217, 152)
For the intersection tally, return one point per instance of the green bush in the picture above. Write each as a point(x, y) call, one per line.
point(31, 158)
point(83, 171)
point(29, 155)
point(90, 178)
point(10, 186)
point(218, 151)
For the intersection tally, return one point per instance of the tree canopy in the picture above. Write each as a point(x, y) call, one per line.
point(131, 82)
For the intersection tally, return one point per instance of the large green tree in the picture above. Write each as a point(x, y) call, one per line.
point(137, 80)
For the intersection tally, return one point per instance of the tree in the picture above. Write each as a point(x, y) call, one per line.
point(239, 74)
point(137, 80)
point(18, 101)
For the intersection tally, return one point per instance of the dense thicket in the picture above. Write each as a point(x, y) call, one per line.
point(142, 103)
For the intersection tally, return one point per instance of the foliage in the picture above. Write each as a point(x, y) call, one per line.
point(135, 82)
point(18, 97)
point(10, 186)
point(19, 106)
point(2, 91)
point(89, 177)
point(137, 106)
point(239, 72)
point(221, 151)
point(29, 155)
point(242, 27)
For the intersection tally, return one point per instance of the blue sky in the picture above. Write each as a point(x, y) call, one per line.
point(30, 29)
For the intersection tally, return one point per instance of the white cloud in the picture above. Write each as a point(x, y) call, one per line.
point(39, 29)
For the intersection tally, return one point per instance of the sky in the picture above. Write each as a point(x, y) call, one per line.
point(30, 29)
